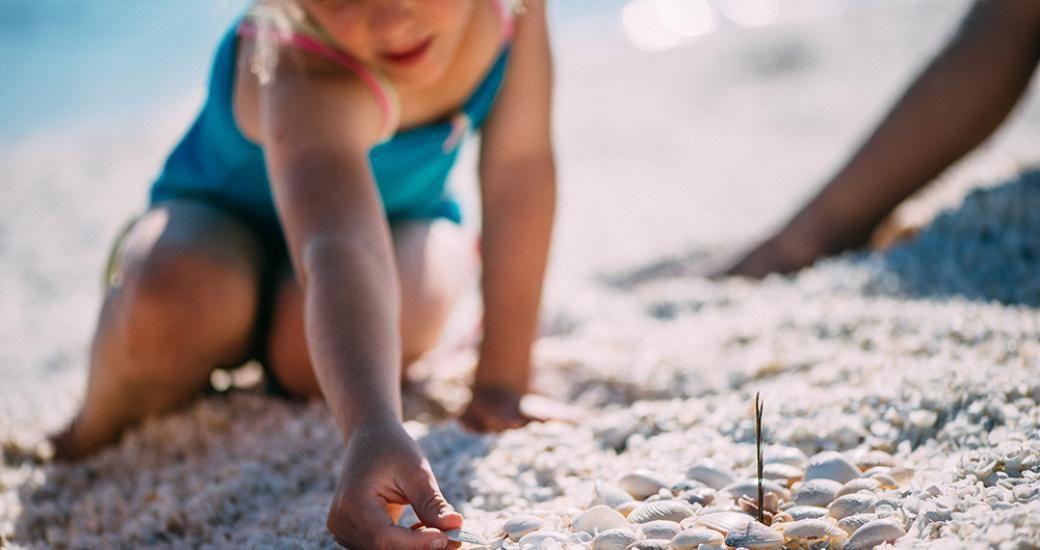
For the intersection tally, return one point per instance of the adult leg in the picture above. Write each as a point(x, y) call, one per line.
point(183, 302)
point(433, 259)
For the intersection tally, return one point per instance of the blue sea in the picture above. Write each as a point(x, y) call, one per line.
point(69, 61)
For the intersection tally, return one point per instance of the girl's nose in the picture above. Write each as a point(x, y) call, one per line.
point(391, 21)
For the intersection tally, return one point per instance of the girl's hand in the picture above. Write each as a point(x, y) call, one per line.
point(496, 408)
point(384, 470)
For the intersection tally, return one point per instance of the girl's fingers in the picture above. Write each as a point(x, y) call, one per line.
point(374, 529)
point(420, 488)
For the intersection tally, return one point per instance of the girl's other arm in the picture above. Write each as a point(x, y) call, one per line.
point(518, 194)
point(955, 104)
point(316, 127)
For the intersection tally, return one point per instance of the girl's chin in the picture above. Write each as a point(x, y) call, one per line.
point(416, 76)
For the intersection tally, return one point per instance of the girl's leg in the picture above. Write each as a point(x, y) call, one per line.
point(184, 301)
point(433, 259)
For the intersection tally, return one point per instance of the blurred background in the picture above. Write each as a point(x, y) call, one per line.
point(681, 126)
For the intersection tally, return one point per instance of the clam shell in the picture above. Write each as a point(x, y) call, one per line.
point(614, 539)
point(856, 503)
point(813, 531)
point(807, 512)
point(672, 510)
point(610, 495)
point(711, 475)
point(663, 494)
point(875, 533)
point(535, 539)
point(687, 485)
point(782, 473)
point(598, 518)
point(792, 456)
point(724, 521)
point(816, 492)
point(749, 488)
point(519, 526)
point(885, 481)
point(755, 536)
point(873, 459)
point(651, 545)
point(703, 496)
point(660, 529)
point(642, 483)
point(626, 508)
point(831, 465)
point(860, 484)
point(850, 524)
point(693, 538)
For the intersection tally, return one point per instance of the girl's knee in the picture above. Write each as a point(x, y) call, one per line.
point(176, 301)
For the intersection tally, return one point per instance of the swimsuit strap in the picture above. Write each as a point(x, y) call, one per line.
point(312, 40)
point(462, 121)
point(506, 12)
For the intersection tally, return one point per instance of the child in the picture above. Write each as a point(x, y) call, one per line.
point(955, 104)
point(303, 221)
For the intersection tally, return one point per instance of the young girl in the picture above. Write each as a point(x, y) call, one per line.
point(303, 221)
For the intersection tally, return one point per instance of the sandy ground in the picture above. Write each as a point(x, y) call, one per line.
point(930, 352)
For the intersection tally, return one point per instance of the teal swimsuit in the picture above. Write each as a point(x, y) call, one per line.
point(215, 163)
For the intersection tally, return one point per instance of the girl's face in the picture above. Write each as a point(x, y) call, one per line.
point(411, 41)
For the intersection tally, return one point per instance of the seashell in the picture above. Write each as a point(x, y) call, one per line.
point(660, 529)
point(807, 512)
point(856, 503)
point(672, 510)
point(687, 485)
point(859, 484)
point(519, 526)
point(711, 475)
point(535, 539)
point(614, 539)
point(465, 536)
point(831, 465)
point(598, 518)
point(850, 524)
point(610, 495)
point(792, 456)
point(626, 508)
point(901, 474)
point(724, 521)
point(755, 536)
point(874, 533)
point(781, 517)
point(816, 492)
point(873, 459)
point(693, 538)
point(653, 544)
point(749, 488)
point(703, 496)
point(813, 532)
point(663, 494)
point(885, 481)
point(782, 473)
point(642, 483)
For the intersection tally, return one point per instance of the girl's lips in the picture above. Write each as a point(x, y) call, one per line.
point(410, 56)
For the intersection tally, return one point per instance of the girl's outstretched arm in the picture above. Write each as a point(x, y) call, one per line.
point(955, 104)
point(316, 125)
point(518, 193)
